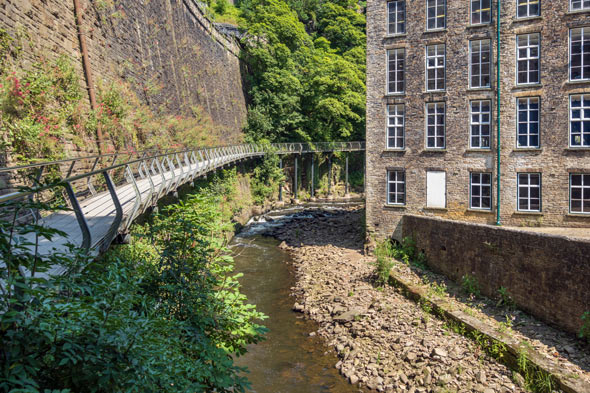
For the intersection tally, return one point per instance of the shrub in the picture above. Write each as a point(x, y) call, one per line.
point(470, 285)
point(585, 329)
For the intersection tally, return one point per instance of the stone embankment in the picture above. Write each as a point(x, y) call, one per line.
point(384, 341)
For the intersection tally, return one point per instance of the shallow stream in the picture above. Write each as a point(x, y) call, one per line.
point(289, 360)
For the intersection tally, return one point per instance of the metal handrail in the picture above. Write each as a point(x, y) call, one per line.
point(169, 168)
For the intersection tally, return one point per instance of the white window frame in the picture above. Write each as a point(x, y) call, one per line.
point(396, 23)
point(584, 76)
point(585, 185)
point(436, 125)
point(528, 58)
point(436, 3)
point(583, 119)
point(438, 48)
point(481, 12)
point(480, 64)
point(396, 122)
point(528, 4)
point(396, 53)
point(528, 122)
point(480, 124)
point(528, 186)
point(481, 186)
point(397, 182)
point(584, 5)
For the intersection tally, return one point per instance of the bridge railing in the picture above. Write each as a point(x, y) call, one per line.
point(142, 176)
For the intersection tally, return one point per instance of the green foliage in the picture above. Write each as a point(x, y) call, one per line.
point(470, 285)
point(384, 254)
point(266, 177)
point(221, 6)
point(585, 329)
point(163, 314)
point(505, 298)
point(306, 62)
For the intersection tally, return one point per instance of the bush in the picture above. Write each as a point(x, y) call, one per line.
point(470, 285)
point(163, 314)
point(585, 329)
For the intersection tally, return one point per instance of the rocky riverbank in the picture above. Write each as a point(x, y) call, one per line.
point(383, 340)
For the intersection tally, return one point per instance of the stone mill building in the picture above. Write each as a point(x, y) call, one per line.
point(433, 105)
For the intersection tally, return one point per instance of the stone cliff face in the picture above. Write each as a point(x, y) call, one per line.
point(168, 51)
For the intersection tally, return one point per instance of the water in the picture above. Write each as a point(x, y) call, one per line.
point(288, 361)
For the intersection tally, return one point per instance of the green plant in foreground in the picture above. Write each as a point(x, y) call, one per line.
point(470, 285)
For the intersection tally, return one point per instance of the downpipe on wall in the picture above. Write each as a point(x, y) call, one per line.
point(498, 106)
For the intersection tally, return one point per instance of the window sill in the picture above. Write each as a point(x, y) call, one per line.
point(442, 30)
point(479, 25)
point(434, 92)
point(388, 150)
point(397, 207)
point(524, 213)
point(578, 215)
point(483, 211)
point(528, 149)
point(434, 150)
point(576, 12)
point(439, 209)
point(582, 148)
point(577, 82)
point(470, 89)
point(528, 86)
point(400, 35)
point(476, 150)
point(528, 18)
point(403, 94)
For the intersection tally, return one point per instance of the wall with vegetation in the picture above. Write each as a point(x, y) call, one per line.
point(545, 275)
point(163, 57)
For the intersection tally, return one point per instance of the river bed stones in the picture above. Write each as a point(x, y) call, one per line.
point(384, 341)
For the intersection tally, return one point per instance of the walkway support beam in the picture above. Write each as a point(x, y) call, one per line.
point(295, 179)
point(312, 175)
point(346, 181)
point(281, 182)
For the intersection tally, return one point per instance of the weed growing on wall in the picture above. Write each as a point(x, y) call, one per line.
point(470, 285)
point(585, 329)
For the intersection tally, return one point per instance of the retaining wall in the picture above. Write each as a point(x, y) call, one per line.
point(546, 275)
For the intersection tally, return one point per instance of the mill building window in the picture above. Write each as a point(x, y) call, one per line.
point(480, 190)
point(396, 11)
point(480, 119)
point(396, 188)
point(529, 192)
point(580, 120)
point(528, 8)
point(396, 61)
point(480, 63)
point(435, 125)
point(580, 54)
point(580, 193)
point(435, 67)
point(481, 12)
point(395, 126)
point(577, 5)
point(435, 14)
point(528, 54)
point(528, 122)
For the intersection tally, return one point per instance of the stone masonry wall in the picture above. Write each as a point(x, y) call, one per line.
point(167, 50)
point(555, 160)
point(546, 275)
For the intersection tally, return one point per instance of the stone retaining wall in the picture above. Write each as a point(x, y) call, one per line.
point(168, 51)
point(546, 275)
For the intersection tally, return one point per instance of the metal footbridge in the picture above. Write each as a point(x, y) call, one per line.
point(100, 196)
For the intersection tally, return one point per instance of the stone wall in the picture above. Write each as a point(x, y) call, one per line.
point(168, 51)
point(554, 159)
point(546, 275)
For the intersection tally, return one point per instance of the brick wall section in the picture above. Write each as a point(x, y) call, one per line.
point(166, 43)
point(546, 275)
point(554, 159)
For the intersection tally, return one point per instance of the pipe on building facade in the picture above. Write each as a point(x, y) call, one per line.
point(87, 68)
point(498, 106)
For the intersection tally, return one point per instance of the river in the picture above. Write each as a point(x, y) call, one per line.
point(289, 360)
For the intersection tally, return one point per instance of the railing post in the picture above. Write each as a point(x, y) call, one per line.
point(89, 179)
point(346, 181)
point(86, 235)
point(295, 180)
point(281, 183)
point(113, 229)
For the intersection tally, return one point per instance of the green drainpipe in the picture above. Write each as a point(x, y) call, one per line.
point(498, 144)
